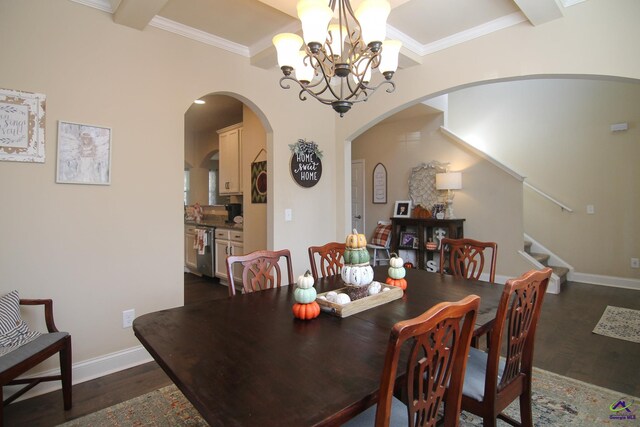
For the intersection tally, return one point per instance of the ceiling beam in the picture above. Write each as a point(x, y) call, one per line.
point(540, 11)
point(137, 13)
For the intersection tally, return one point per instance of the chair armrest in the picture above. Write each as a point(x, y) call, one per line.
point(48, 311)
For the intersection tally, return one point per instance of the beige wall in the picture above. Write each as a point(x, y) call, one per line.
point(557, 134)
point(487, 194)
point(255, 214)
point(98, 250)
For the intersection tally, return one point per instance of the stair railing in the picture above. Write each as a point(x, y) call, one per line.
point(563, 207)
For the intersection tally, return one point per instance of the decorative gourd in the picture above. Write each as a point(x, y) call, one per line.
point(356, 240)
point(374, 288)
point(395, 260)
point(357, 275)
point(356, 256)
point(305, 281)
point(343, 299)
point(400, 283)
point(306, 311)
point(305, 295)
point(397, 272)
point(408, 265)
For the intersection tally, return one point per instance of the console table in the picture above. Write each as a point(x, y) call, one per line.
point(425, 230)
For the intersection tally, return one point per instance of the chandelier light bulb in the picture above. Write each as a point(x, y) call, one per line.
point(389, 57)
point(372, 15)
point(304, 70)
point(315, 16)
point(337, 38)
point(287, 45)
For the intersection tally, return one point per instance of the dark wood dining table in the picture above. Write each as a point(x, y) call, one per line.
point(246, 360)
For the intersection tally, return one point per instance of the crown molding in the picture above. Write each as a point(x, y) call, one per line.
point(201, 36)
point(474, 33)
point(267, 42)
point(103, 5)
point(568, 3)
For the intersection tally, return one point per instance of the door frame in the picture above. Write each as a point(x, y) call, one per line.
point(364, 199)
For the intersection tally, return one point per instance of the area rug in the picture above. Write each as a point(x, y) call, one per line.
point(557, 401)
point(621, 323)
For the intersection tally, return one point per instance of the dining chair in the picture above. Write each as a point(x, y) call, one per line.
point(436, 345)
point(260, 270)
point(466, 258)
point(330, 258)
point(380, 242)
point(491, 383)
point(29, 348)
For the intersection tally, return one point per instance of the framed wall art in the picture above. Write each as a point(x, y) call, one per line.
point(380, 184)
point(84, 154)
point(402, 209)
point(259, 180)
point(22, 124)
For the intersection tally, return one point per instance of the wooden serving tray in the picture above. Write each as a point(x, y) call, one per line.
point(362, 304)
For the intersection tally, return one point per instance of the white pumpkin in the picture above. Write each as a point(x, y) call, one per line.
point(305, 281)
point(346, 271)
point(360, 275)
point(374, 288)
point(343, 299)
point(331, 296)
point(396, 261)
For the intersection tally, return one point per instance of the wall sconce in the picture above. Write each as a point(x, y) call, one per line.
point(449, 181)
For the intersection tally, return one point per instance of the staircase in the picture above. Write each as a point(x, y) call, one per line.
point(543, 259)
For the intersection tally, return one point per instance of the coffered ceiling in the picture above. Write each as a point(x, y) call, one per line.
point(246, 27)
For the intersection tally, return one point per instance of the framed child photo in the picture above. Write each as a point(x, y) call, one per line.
point(402, 209)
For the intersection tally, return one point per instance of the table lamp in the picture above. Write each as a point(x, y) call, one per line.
point(449, 181)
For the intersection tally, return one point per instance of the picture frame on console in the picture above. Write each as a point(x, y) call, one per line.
point(402, 209)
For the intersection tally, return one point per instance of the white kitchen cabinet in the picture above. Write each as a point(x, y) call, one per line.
point(190, 253)
point(228, 242)
point(230, 170)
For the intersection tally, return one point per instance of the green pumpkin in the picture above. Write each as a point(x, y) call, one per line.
point(305, 296)
point(396, 272)
point(356, 256)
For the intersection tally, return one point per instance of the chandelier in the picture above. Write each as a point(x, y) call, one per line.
point(337, 59)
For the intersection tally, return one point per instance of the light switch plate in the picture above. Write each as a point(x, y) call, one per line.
point(591, 209)
point(288, 215)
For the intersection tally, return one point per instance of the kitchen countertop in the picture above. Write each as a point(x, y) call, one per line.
point(216, 224)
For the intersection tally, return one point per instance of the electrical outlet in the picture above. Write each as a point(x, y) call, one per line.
point(127, 318)
point(591, 209)
point(635, 262)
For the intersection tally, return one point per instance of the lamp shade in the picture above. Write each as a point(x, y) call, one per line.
point(389, 56)
point(304, 70)
point(314, 16)
point(372, 15)
point(287, 45)
point(449, 181)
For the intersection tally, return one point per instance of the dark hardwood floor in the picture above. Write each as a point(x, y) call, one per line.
point(564, 345)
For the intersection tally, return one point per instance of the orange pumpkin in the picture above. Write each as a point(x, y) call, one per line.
point(401, 283)
point(306, 311)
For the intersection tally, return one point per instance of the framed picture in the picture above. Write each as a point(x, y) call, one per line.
point(84, 154)
point(22, 124)
point(408, 239)
point(402, 209)
point(379, 184)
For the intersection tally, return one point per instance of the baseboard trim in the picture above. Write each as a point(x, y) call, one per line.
point(88, 370)
point(596, 279)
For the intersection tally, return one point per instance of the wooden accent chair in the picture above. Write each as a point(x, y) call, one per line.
point(438, 344)
point(331, 259)
point(492, 383)
point(31, 354)
point(260, 270)
point(467, 258)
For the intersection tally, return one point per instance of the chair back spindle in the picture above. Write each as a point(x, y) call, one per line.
point(331, 259)
point(260, 270)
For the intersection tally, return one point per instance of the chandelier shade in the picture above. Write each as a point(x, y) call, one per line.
point(334, 62)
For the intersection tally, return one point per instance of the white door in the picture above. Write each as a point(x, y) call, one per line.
point(357, 195)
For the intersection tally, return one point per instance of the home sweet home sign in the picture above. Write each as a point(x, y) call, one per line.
point(306, 163)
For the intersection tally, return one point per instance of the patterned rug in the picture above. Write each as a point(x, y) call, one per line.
point(621, 323)
point(557, 401)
